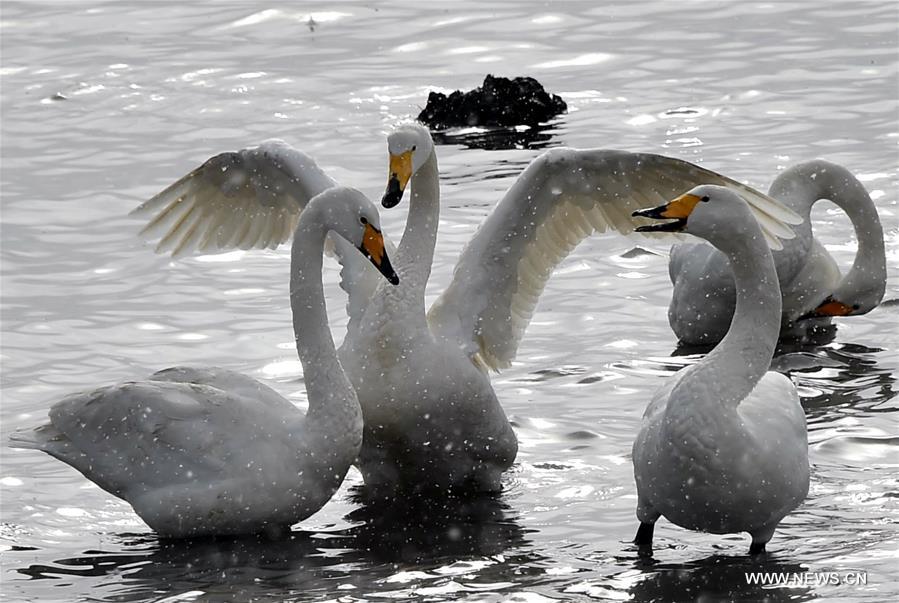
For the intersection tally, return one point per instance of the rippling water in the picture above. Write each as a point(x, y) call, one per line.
point(106, 103)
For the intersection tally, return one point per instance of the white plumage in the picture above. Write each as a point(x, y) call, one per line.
point(250, 199)
point(723, 446)
point(703, 299)
point(211, 451)
point(432, 418)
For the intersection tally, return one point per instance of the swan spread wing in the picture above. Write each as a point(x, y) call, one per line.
point(250, 199)
point(562, 197)
point(236, 200)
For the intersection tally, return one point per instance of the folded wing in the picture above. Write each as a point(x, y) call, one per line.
point(136, 436)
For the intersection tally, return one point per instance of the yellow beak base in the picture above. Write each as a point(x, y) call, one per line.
point(680, 207)
point(397, 178)
point(372, 247)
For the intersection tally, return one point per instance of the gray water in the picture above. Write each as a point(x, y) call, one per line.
point(106, 103)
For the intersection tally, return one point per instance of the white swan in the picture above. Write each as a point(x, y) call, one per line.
point(432, 419)
point(723, 447)
point(703, 299)
point(210, 451)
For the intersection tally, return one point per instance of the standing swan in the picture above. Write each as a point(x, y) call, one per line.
point(203, 451)
point(703, 299)
point(723, 447)
point(432, 419)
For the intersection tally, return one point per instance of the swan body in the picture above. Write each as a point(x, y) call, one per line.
point(432, 419)
point(812, 287)
point(201, 451)
point(436, 364)
point(723, 446)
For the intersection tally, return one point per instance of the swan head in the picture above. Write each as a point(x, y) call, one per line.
point(714, 213)
point(854, 296)
point(410, 146)
point(349, 214)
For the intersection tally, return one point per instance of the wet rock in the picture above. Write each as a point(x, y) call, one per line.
point(499, 101)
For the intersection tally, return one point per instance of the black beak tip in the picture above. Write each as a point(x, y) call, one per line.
point(393, 279)
point(393, 195)
point(649, 212)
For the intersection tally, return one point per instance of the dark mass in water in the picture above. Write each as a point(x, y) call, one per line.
point(499, 101)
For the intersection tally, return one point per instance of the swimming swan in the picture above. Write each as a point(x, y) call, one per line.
point(202, 451)
point(703, 299)
point(723, 446)
point(432, 419)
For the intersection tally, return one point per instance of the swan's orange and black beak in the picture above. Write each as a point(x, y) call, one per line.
point(831, 307)
point(372, 247)
point(678, 210)
point(397, 178)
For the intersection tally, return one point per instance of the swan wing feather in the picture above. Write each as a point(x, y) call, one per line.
point(249, 199)
point(561, 197)
point(246, 199)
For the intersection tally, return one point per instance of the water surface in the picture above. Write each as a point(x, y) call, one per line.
point(106, 103)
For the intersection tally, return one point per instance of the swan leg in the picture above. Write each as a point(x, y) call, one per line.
point(648, 517)
point(760, 538)
point(644, 534)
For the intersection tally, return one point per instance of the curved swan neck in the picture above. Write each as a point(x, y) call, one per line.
point(327, 387)
point(415, 253)
point(730, 371)
point(803, 185)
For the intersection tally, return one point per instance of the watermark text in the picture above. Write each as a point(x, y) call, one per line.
point(808, 579)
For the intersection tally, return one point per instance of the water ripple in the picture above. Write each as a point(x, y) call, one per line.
point(123, 98)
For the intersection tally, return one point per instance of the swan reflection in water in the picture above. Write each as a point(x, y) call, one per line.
point(713, 578)
point(387, 539)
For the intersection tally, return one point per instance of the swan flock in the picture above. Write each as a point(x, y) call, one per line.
point(407, 397)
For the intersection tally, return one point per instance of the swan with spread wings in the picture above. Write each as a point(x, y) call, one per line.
point(432, 419)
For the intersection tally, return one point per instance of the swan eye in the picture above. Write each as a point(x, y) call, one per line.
point(363, 220)
point(704, 198)
point(413, 148)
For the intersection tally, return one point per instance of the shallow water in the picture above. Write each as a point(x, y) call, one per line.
point(106, 103)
